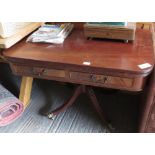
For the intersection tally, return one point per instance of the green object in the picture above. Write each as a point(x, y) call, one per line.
point(109, 23)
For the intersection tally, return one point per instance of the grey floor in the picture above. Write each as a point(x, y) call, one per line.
point(121, 108)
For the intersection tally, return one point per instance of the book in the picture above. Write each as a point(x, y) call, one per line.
point(55, 34)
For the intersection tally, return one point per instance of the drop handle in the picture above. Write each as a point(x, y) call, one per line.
point(93, 77)
point(99, 78)
point(39, 72)
point(105, 79)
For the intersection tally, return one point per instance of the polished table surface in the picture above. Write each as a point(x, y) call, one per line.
point(83, 54)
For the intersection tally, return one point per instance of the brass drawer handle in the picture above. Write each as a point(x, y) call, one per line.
point(96, 78)
point(38, 72)
point(105, 79)
point(93, 77)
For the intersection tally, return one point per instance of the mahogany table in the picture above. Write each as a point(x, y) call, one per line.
point(101, 63)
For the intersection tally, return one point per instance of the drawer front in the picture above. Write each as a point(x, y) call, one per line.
point(133, 84)
point(48, 72)
point(102, 79)
point(39, 72)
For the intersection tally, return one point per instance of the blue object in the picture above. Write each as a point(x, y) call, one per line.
point(109, 23)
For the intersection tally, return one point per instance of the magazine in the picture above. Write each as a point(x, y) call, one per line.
point(51, 33)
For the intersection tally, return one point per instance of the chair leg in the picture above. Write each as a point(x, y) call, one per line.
point(25, 90)
point(91, 94)
point(67, 104)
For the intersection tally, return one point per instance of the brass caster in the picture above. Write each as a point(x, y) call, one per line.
point(51, 116)
point(111, 128)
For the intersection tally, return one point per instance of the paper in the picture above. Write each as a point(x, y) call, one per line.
point(55, 34)
point(86, 63)
point(145, 65)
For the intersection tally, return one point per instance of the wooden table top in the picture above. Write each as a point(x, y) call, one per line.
point(78, 51)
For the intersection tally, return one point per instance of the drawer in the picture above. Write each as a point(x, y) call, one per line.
point(38, 71)
point(48, 72)
point(102, 79)
point(133, 84)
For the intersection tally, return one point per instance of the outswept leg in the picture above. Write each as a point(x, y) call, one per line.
point(91, 94)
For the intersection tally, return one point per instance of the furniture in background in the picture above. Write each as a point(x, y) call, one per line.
point(147, 118)
point(84, 62)
point(111, 30)
point(144, 25)
point(11, 33)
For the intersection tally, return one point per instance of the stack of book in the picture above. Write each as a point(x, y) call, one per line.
point(110, 30)
point(51, 33)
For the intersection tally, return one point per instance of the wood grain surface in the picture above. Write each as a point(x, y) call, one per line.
point(102, 55)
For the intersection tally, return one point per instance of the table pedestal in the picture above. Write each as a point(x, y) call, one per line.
point(91, 94)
